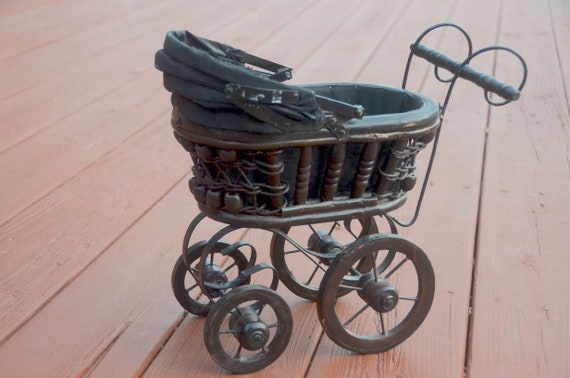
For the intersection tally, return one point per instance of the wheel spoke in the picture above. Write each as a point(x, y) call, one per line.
point(349, 229)
point(347, 287)
point(356, 315)
point(396, 268)
point(335, 225)
point(227, 332)
point(382, 325)
point(230, 266)
point(238, 353)
point(374, 257)
point(194, 273)
point(307, 255)
point(311, 259)
point(355, 272)
point(313, 274)
point(315, 262)
point(315, 231)
point(292, 251)
point(413, 299)
point(261, 307)
point(188, 290)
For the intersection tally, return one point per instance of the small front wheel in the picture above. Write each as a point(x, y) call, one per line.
point(248, 329)
point(219, 268)
point(386, 303)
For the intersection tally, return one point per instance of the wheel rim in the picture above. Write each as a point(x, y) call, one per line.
point(218, 269)
point(310, 265)
point(248, 329)
point(385, 305)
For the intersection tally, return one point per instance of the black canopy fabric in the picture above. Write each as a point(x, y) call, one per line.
point(215, 85)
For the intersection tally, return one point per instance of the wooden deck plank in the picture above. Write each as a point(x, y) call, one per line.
point(520, 303)
point(49, 22)
point(123, 294)
point(560, 13)
point(22, 71)
point(10, 8)
point(79, 220)
point(19, 123)
point(76, 142)
point(91, 131)
point(309, 27)
point(386, 66)
point(33, 110)
point(351, 44)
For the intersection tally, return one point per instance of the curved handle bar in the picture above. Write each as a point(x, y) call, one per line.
point(462, 70)
point(459, 70)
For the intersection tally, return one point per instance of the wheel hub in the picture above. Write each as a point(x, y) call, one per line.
point(323, 243)
point(251, 332)
point(214, 275)
point(378, 293)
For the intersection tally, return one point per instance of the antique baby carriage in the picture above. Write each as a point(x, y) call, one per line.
point(318, 166)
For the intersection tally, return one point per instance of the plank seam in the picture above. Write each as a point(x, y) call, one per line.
point(65, 284)
point(163, 343)
point(99, 356)
point(561, 69)
point(474, 271)
point(382, 39)
point(560, 66)
point(325, 37)
point(87, 27)
point(86, 167)
point(71, 112)
point(314, 354)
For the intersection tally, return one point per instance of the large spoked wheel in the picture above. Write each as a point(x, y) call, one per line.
point(386, 304)
point(302, 265)
point(248, 329)
point(218, 269)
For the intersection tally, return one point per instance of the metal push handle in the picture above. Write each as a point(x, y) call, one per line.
point(459, 70)
point(462, 70)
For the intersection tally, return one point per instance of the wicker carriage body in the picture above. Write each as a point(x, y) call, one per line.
point(279, 180)
point(272, 155)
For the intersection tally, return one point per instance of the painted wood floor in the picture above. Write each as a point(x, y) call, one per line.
point(94, 198)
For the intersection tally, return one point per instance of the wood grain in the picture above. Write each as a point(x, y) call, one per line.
point(95, 200)
point(518, 306)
